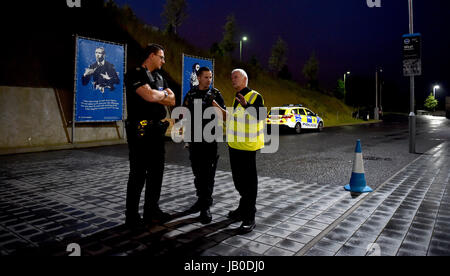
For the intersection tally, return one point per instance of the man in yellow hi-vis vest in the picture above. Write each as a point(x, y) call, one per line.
point(245, 135)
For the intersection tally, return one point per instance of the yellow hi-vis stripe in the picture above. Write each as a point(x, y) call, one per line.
point(245, 132)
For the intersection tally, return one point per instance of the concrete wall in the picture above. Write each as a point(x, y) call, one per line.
point(31, 117)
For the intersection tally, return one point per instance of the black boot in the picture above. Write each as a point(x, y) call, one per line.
point(133, 221)
point(194, 208)
point(156, 217)
point(205, 216)
point(247, 226)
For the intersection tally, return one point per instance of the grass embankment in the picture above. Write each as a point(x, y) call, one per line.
point(276, 92)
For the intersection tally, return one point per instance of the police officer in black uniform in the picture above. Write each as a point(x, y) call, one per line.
point(147, 96)
point(203, 155)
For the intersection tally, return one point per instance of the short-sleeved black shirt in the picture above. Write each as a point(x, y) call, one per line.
point(196, 93)
point(138, 108)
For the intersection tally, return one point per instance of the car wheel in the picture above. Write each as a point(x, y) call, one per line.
point(320, 127)
point(298, 128)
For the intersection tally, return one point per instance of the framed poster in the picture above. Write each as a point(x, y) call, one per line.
point(191, 64)
point(99, 80)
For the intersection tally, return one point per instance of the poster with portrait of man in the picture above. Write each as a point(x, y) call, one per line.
point(99, 85)
point(191, 64)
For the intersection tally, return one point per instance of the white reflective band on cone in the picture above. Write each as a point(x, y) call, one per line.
point(358, 165)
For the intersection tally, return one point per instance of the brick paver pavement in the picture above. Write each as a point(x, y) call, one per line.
point(46, 204)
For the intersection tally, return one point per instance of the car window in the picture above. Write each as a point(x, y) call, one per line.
point(302, 112)
point(309, 113)
point(280, 111)
point(295, 111)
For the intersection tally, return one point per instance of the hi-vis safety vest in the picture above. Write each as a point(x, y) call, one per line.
point(244, 131)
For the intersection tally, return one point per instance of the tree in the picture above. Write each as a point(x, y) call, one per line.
point(128, 13)
point(254, 66)
point(228, 43)
point(253, 61)
point(285, 74)
point(311, 72)
point(431, 102)
point(278, 58)
point(111, 4)
point(175, 12)
point(340, 89)
point(215, 50)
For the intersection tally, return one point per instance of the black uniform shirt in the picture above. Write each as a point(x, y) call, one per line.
point(196, 93)
point(138, 108)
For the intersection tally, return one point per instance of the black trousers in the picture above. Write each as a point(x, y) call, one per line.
point(204, 159)
point(146, 168)
point(245, 177)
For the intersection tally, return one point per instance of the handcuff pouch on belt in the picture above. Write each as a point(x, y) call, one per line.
point(145, 127)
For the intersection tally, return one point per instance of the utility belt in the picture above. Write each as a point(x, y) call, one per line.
point(146, 128)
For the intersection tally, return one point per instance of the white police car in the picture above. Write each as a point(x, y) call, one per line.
point(294, 117)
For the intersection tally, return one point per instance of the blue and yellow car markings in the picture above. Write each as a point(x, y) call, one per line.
point(291, 118)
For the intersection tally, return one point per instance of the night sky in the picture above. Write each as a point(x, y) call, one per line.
point(346, 35)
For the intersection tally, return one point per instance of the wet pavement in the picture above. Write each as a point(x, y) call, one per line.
point(327, 157)
point(409, 215)
point(51, 200)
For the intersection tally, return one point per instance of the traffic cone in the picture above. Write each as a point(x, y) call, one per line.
point(358, 179)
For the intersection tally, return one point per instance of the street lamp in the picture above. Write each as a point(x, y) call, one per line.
point(345, 86)
point(244, 38)
point(434, 90)
point(345, 75)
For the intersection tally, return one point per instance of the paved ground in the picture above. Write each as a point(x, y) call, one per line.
point(326, 158)
point(50, 200)
point(407, 216)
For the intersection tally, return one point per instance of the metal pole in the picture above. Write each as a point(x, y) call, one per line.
point(240, 50)
point(412, 120)
point(376, 117)
point(344, 85)
point(411, 17)
point(124, 102)
point(381, 94)
point(412, 115)
point(74, 106)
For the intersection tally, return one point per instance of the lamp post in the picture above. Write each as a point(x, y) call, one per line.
point(412, 115)
point(434, 90)
point(345, 83)
point(345, 75)
point(244, 38)
point(376, 111)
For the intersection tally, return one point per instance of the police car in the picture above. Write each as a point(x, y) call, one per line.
point(294, 117)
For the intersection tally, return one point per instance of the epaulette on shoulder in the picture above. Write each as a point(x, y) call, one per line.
point(158, 76)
